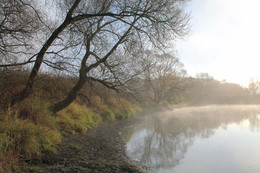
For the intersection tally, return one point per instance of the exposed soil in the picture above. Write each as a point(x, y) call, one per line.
point(101, 149)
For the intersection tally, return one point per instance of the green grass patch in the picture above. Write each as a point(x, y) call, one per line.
point(122, 108)
point(22, 139)
point(75, 146)
point(29, 130)
point(77, 118)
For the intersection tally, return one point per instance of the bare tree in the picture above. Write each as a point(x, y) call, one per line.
point(19, 23)
point(164, 78)
point(93, 34)
point(254, 87)
point(125, 31)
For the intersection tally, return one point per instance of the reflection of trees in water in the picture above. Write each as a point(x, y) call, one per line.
point(165, 142)
point(161, 144)
point(254, 122)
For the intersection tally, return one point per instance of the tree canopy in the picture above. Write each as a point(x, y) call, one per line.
point(95, 40)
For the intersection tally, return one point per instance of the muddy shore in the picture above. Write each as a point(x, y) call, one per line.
point(101, 149)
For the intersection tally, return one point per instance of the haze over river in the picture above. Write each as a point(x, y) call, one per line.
point(207, 139)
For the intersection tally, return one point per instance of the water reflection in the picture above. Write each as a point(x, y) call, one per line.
point(254, 122)
point(162, 142)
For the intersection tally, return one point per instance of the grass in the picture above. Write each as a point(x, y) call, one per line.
point(113, 109)
point(23, 137)
point(77, 118)
point(75, 146)
point(29, 130)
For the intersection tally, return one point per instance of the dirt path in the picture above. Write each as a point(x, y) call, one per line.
point(100, 150)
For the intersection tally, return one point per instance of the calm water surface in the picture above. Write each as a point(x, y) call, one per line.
point(209, 139)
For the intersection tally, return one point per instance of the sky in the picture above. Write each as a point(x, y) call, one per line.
point(224, 40)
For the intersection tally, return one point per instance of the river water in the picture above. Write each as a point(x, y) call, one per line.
point(208, 139)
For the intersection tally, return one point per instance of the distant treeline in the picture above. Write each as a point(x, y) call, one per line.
point(203, 91)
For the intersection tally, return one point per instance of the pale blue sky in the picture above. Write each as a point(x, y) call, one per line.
point(224, 40)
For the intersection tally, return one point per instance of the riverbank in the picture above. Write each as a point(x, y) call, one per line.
point(29, 130)
point(102, 149)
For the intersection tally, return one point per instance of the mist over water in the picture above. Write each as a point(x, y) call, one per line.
point(204, 139)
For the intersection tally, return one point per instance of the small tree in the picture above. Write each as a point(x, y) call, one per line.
point(254, 87)
point(165, 77)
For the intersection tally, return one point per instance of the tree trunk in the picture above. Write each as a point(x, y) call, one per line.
point(28, 88)
point(72, 95)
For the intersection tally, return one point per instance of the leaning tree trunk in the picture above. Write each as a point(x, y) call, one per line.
point(71, 96)
point(39, 58)
point(85, 69)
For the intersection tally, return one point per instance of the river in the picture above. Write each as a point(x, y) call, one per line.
point(207, 139)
